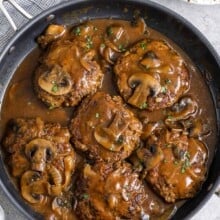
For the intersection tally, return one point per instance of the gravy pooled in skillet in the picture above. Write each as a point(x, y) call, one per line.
point(110, 123)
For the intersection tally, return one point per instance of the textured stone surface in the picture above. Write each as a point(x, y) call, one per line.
point(206, 19)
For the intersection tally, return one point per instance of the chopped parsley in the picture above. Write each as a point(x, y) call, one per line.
point(102, 45)
point(85, 196)
point(169, 117)
point(121, 47)
point(52, 107)
point(54, 88)
point(175, 162)
point(143, 105)
point(77, 31)
point(186, 162)
point(109, 31)
point(163, 89)
point(143, 45)
point(167, 81)
point(89, 43)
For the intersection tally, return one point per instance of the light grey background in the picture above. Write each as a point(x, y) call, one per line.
point(205, 18)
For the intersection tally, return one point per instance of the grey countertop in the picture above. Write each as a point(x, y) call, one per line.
point(207, 20)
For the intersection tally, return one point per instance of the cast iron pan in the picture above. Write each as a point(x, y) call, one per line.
point(157, 17)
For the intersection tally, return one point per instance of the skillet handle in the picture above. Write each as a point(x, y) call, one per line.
point(16, 7)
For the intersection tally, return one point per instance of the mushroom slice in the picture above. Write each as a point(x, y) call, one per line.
point(150, 127)
point(108, 53)
point(145, 85)
point(69, 164)
point(55, 81)
point(33, 187)
point(39, 151)
point(87, 61)
point(111, 137)
point(61, 205)
point(150, 156)
point(116, 38)
point(55, 178)
point(150, 60)
point(53, 32)
point(185, 108)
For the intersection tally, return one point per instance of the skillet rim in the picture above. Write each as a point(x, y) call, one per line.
point(64, 6)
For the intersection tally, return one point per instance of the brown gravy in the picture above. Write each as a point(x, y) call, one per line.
point(21, 101)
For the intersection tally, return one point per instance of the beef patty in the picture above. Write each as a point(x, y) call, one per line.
point(42, 160)
point(175, 164)
point(105, 129)
point(68, 71)
point(151, 75)
point(112, 192)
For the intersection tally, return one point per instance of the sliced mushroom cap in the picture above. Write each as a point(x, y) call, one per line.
point(111, 137)
point(69, 165)
point(87, 61)
point(61, 205)
point(150, 60)
point(140, 24)
point(150, 156)
point(196, 128)
point(185, 108)
point(55, 31)
point(55, 81)
point(116, 37)
point(33, 187)
point(150, 127)
point(145, 85)
point(39, 151)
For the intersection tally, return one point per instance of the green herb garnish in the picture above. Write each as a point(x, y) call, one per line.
point(77, 31)
point(186, 162)
point(175, 162)
point(89, 43)
point(85, 196)
point(169, 117)
point(143, 45)
point(163, 89)
point(167, 81)
point(102, 45)
point(54, 88)
point(121, 47)
point(143, 105)
point(109, 31)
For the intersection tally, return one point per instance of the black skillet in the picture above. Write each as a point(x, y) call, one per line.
point(186, 36)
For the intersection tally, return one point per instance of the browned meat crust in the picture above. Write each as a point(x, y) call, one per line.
point(151, 75)
point(107, 192)
point(105, 129)
point(68, 72)
point(176, 164)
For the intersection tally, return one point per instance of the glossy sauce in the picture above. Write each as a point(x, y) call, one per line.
point(21, 100)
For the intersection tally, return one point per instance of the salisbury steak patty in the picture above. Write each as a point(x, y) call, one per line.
point(107, 192)
point(42, 160)
point(68, 72)
point(175, 164)
point(105, 129)
point(151, 75)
